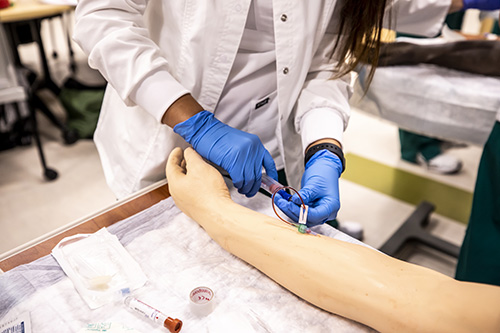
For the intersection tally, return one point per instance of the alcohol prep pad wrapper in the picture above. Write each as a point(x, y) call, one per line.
point(99, 267)
point(19, 324)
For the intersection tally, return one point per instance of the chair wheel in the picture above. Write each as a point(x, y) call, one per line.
point(50, 174)
point(70, 136)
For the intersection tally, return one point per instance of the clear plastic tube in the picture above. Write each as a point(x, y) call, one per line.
point(173, 325)
point(270, 185)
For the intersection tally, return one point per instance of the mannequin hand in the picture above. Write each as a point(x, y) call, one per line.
point(241, 154)
point(482, 4)
point(320, 190)
point(195, 186)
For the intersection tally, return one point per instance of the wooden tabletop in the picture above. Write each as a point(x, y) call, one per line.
point(28, 10)
point(118, 212)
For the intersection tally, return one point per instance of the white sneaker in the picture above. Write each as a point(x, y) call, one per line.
point(443, 164)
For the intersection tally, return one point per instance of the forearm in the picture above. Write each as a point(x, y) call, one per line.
point(182, 109)
point(456, 5)
point(348, 279)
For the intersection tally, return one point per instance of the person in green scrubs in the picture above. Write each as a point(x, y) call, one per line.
point(428, 152)
point(424, 150)
point(479, 259)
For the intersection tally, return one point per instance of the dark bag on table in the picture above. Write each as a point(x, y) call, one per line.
point(472, 56)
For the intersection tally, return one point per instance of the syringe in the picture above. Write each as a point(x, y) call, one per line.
point(270, 185)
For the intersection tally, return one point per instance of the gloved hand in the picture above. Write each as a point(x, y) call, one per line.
point(320, 190)
point(241, 154)
point(481, 4)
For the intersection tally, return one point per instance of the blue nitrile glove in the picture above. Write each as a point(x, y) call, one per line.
point(320, 190)
point(482, 4)
point(241, 154)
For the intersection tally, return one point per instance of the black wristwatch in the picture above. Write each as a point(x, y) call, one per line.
point(328, 146)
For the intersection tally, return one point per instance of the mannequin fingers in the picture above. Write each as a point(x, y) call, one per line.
point(194, 162)
point(174, 168)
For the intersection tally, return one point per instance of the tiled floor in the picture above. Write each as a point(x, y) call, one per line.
point(31, 207)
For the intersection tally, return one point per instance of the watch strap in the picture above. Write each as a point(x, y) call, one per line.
point(328, 146)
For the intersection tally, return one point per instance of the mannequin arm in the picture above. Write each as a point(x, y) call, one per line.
point(346, 279)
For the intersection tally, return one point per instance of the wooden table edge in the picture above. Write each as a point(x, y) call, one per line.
point(31, 11)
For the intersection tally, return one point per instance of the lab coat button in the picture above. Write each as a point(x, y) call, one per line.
point(285, 70)
point(238, 8)
point(284, 17)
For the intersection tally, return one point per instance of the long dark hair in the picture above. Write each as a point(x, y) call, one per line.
point(360, 33)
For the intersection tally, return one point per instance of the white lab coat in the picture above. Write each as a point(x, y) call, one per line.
point(153, 52)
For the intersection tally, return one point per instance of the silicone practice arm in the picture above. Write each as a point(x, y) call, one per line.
point(346, 279)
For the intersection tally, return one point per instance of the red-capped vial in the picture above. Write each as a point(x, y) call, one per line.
point(173, 325)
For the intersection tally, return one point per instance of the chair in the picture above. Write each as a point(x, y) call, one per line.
point(14, 91)
point(28, 31)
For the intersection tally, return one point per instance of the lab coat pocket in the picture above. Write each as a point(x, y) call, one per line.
point(263, 115)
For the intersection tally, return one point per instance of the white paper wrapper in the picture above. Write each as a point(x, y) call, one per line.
point(99, 267)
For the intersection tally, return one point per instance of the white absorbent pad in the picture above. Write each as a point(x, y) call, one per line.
point(176, 255)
